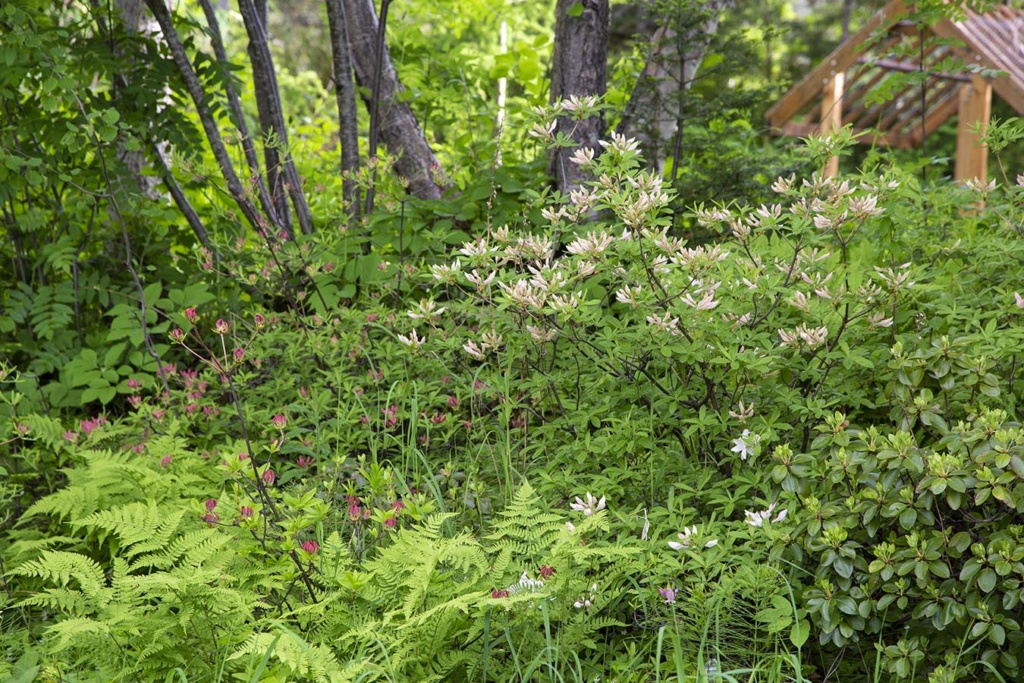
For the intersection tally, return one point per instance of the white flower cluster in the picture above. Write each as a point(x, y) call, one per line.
point(759, 518)
point(588, 506)
point(586, 601)
point(812, 337)
point(526, 585)
point(687, 537)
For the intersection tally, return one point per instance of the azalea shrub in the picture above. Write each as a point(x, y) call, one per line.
point(577, 446)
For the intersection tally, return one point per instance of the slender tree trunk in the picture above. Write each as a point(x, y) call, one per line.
point(579, 67)
point(184, 205)
point(213, 136)
point(281, 172)
point(398, 128)
point(345, 90)
point(235, 107)
point(655, 110)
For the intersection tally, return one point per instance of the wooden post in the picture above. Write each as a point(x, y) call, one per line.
point(971, 153)
point(832, 115)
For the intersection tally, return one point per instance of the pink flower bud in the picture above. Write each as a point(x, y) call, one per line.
point(211, 518)
point(311, 547)
point(221, 326)
point(390, 523)
point(279, 421)
point(210, 504)
point(165, 461)
point(191, 315)
point(269, 477)
point(259, 320)
point(177, 335)
point(245, 512)
point(239, 354)
point(354, 512)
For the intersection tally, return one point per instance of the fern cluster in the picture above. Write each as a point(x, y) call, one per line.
point(119, 574)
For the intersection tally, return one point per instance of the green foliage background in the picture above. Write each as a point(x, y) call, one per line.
point(490, 437)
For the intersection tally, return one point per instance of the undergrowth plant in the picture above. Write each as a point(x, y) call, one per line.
point(578, 447)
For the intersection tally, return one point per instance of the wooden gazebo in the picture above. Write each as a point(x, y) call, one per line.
point(964, 60)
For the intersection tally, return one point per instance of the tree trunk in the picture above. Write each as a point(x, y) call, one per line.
point(345, 90)
point(655, 110)
point(135, 21)
point(399, 130)
point(579, 67)
point(282, 175)
point(235, 107)
point(206, 118)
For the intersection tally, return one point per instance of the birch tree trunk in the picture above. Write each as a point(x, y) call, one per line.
point(656, 107)
point(579, 67)
point(136, 21)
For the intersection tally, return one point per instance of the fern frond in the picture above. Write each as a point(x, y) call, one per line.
point(525, 522)
point(57, 599)
point(61, 567)
point(141, 527)
point(193, 549)
point(45, 429)
point(71, 632)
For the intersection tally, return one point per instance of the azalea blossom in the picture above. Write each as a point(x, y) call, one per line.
point(746, 444)
point(586, 601)
point(759, 518)
point(446, 273)
point(743, 412)
point(583, 156)
point(686, 539)
point(629, 295)
point(525, 584)
point(705, 304)
point(426, 309)
point(588, 507)
point(472, 349)
point(876, 320)
point(479, 280)
point(413, 340)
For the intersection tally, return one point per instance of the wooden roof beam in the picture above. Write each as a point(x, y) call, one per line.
point(975, 53)
point(841, 59)
point(893, 65)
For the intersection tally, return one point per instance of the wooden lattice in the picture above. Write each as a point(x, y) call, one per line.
point(863, 82)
